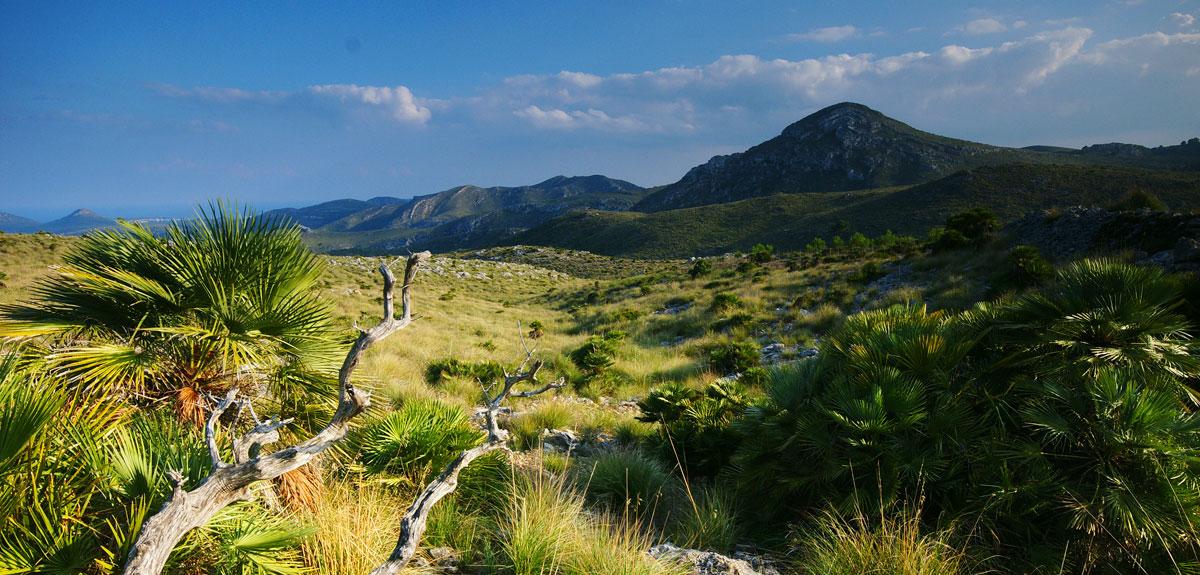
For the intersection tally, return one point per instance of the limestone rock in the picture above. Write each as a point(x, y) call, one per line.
point(706, 562)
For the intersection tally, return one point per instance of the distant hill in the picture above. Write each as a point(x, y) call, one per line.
point(78, 222)
point(471, 216)
point(328, 212)
point(15, 224)
point(849, 146)
point(789, 221)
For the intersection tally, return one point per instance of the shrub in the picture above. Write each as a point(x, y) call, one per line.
point(754, 377)
point(695, 425)
point(628, 483)
point(733, 356)
point(859, 243)
point(536, 329)
point(437, 371)
point(816, 247)
point(1025, 267)
point(762, 253)
point(700, 269)
point(724, 302)
point(1138, 200)
point(869, 272)
point(977, 225)
point(598, 353)
point(947, 240)
point(1110, 453)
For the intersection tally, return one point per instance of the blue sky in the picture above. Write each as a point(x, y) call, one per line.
point(141, 109)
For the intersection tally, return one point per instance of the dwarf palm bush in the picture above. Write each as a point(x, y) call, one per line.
point(221, 301)
point(421, 436)
point(1099, 314)
point(1105, 462)
point(881, 413)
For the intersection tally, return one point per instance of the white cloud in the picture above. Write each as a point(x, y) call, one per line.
point(1018, 24)
point(830, 34)
point(1183, 20)
point(984, 26)
point(961, 54)
point(556, 119)
point(1054, 71)
point(397, 101)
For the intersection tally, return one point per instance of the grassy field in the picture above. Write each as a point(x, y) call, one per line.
point(666, 335)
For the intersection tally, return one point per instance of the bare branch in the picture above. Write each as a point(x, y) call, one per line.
point(556, 384)
point(210, 428)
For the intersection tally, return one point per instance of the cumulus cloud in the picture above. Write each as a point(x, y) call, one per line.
point(569, 120)
point(396, 102)
point(830, 34)
point(1183, 20)
point(984, 26)
point(1063, 69)
point(955, 54)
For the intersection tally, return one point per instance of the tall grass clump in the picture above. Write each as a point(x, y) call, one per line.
point(527, 427)
point(893, 544)
point(629, 483)
point(706, 520)
point(548, 530)
point(355, 527)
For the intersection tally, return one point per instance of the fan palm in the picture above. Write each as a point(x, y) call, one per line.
point(1109, 465)
point(881, 413)
point(224, 300)
point(1100, 314)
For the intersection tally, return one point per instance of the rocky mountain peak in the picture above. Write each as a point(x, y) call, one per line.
point(83, 213)
point(840, 120)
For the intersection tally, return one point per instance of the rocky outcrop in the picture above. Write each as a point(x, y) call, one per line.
point(1169, 240)
point(712, 563)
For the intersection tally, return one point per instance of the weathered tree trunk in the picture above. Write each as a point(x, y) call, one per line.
point(227, 483)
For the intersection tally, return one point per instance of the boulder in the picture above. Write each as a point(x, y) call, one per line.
point(559, 440)
point(1187, 250)
point(706, 562)
point(437, 560)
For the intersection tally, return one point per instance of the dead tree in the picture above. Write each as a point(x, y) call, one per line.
point(412, 525)
point(229, 482)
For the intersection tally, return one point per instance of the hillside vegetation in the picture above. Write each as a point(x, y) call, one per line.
point(790, 221)
point(947, 406)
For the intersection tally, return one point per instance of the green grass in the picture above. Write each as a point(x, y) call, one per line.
point(895, 545)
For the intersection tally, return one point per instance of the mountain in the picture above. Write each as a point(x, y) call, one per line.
point(78, 222)
point(469, 216)
point(15, 224)
point(328, 212)
point(789, 221)
point(846, 146)
point(849, 146)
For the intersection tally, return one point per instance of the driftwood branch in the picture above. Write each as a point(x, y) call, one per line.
point(412, 525)
point(226, 483)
